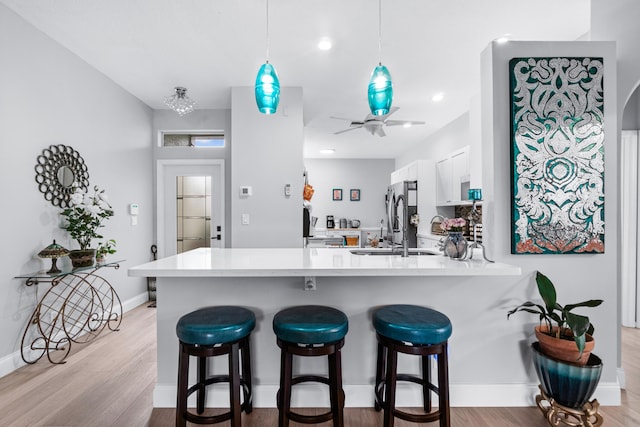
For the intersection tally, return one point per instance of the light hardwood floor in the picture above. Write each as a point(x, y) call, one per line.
point(110, 381)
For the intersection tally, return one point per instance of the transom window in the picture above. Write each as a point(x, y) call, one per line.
point(192, 140)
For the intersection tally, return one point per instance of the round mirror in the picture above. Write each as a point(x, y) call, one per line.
point(59, 170)
point(65, 176)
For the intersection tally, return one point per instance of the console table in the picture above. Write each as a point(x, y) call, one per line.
point(76, 308)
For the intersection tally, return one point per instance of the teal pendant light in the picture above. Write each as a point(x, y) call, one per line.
point(267, 88)
point(380, 91)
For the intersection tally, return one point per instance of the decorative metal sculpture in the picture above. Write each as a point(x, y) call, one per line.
point(59, 170)
point(557, 147)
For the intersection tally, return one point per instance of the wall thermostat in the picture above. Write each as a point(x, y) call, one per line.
point(134, 209)
point(245, 191)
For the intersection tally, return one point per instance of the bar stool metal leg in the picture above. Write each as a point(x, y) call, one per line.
point(443, 387)
point(183, 376)
point(390, 388)
point(246, 376)
point(426, 377)
point(234, 384)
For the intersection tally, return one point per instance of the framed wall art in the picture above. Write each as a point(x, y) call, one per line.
point(337, 194)
point(557, 155)
point(354, 194)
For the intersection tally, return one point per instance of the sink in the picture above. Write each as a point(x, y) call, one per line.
point(394, 251)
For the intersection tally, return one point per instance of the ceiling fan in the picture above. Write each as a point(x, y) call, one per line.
point(375, 124)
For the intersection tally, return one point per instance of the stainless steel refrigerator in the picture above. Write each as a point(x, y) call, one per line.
point(402, 212)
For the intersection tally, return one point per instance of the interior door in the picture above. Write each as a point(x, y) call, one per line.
point(190, 204)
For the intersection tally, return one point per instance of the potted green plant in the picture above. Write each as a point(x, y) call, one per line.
point(560, 329)
point(104, 249)
point(567, 379)
point(82, 218)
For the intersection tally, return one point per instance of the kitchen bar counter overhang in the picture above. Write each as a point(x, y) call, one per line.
point(295, 262)
point(267, 280)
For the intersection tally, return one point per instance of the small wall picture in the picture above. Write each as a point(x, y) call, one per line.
point(354, 194)
point(337, 194)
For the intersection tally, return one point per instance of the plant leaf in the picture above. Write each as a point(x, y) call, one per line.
point(590, 303)
point(547, 291)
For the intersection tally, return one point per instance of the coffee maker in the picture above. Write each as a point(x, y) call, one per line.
point(330, 222)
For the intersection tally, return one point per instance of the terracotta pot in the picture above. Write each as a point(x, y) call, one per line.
point(82, 258)
point(563, 349)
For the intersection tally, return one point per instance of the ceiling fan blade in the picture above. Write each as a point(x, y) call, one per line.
point(401, 122)
point(380, 132)
point(344, 118)
point(347, 130)
point(391, 111)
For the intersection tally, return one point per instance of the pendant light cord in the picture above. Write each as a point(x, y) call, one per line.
point(379, 32)
point(267, 13)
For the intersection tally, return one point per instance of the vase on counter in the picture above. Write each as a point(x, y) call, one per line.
point(455, 245)
point(82, 258)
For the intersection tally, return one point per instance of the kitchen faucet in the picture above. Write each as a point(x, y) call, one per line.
point(405, 242)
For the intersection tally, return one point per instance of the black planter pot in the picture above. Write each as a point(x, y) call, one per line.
point(82, 258)
point(569, 385)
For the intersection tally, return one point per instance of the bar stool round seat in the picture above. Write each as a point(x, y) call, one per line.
point(414, 330)
point(310, 330)
point(208, 332)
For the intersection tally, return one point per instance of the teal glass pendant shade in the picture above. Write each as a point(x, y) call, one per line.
point(267, 89)
point(380, 91)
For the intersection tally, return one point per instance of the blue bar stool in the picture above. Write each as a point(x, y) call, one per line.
point(310, 330)
point(215, 331)
point(415, 330)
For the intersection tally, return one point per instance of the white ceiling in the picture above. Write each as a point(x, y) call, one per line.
point(150, 46)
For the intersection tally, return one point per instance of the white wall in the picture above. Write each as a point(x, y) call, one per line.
point(50, 96)
point(266, 154)
point(618, 20)
point(631, 114)
point(369, 175)
point(577, 277)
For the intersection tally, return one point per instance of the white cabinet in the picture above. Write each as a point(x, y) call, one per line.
point(406, 173)
point(452, 177)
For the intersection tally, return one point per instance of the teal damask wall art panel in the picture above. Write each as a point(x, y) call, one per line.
point(557, 154)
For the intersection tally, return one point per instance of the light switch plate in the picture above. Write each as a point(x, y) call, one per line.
point(246, 191)
point(245, 219)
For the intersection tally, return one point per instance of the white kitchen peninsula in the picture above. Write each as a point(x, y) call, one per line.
point(267, 280)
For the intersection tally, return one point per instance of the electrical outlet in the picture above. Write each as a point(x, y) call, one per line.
point(310, 283)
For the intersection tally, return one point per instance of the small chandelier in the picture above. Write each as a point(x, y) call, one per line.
point(267, 88)
point(380, 91)
point(180, 102)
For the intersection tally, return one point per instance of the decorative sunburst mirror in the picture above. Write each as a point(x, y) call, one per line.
point(59, 170)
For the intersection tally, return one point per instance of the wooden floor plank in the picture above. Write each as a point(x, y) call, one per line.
point(110, 382)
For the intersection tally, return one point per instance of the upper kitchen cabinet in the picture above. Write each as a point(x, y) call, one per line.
point(406, 173)
point(453, 178)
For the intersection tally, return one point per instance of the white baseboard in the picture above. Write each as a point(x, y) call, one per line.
point(622, 378)
point(13, 361)
point(358, 396)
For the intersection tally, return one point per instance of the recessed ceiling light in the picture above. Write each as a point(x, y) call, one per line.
point(502, 39)
point(324, 44)
point(437, 97)
point(406, 125)
point(328, 150)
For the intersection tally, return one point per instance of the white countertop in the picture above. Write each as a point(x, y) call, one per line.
point(299, 262)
